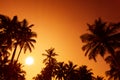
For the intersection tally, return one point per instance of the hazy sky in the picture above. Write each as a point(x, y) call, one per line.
point(59, 24)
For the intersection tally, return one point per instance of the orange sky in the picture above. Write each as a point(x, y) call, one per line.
point(58, 24)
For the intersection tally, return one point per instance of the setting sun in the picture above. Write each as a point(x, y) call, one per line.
point(29, 60)
point(31, 30)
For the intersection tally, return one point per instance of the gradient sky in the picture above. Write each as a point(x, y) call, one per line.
point(59, 24)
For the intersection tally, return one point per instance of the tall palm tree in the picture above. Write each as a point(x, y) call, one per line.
point(114, 72)
point(15, 33)
point(14, 26)
point(70, 71)
point(50, 62)
point(102, 38)
point(26, 37)
point(7, 31)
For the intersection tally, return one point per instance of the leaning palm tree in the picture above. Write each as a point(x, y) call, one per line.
point(114, 72)
point(26, 37)
point(14, 33)
point(102, 38)
point(7, 32)
point(23, 37)
point(15, 25)
point(50, 62)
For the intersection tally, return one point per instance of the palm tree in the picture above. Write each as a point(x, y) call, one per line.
point(10, 71)
point(15, 25)
point(50, 56)
point(114, 72)
point(13, 71)
point(50, 62)
point(70, 71)
point(102, 38)
point(5, 31)
point(84, 73)
point(15, 33)
point(26, 37)
point(43, 75)
point(60, 71)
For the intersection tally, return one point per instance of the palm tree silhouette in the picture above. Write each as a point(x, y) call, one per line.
point(15, 28)
point(6, 30)
point(84, 73)
point(70, 71)
point(60, 71)
point(50, 62)
point(102, 38)
point(114, 72)
point(14, 33)
point(26, 37)
point(13, 71)
point(50, 57)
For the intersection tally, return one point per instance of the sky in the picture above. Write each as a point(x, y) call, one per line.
point(59, 24)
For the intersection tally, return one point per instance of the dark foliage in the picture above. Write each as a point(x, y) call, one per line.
point(102, 38)
point(14, 33)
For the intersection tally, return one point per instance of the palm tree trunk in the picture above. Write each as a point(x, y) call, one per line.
point(13, 55)
point(19, 53)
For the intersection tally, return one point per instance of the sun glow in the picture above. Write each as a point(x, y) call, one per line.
point(29, 60)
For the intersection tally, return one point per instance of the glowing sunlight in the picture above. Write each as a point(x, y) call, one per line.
point(29, 60)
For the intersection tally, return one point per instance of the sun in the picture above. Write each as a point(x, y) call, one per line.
point(29, 60)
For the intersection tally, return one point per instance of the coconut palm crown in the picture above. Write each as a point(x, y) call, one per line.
point(102, 38)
